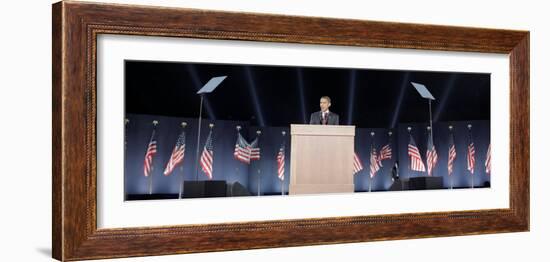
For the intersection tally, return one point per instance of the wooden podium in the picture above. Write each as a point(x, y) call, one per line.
point(321, 159)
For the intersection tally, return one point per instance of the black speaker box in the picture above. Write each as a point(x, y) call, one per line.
point(237, 189)
point(399, 185)
point(425, 182)
point(210, 188)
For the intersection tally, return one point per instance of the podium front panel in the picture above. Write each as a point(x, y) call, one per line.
point(321, 159)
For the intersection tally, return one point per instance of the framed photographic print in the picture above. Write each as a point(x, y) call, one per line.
point(195, 131)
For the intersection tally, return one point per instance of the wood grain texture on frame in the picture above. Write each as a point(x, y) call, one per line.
point(75, 27)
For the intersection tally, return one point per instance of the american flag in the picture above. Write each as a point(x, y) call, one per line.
point(207, 157)
point(452, 154)
point(431, 155)
point(254, 149)
point(357, 166)
point(414, 154)
point(471, 156)
point(488, 160)
point(151, 151)
point(385, 153)
point(177, 155)
point(281, 162)
point(242, 150)
point(374, 162)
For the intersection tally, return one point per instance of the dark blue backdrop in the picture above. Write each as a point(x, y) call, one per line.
point(138, 132)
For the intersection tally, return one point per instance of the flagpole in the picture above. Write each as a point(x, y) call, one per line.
point(183, 125)
point(211, 126)
point(370, 158)
point(258, 133)
point(259, 179)
point(429, 128)
point(473, 166)
point(155, 123)
point(410, 164)
point(390, 133)
point(198, 142)
point(126, 121)
point(450, 174)
point(283, 180)
point(391, 146)
point(238, 127)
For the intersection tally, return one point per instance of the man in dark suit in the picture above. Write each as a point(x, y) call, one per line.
point(324, 117)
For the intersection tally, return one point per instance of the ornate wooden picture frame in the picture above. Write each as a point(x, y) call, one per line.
point(76, 26)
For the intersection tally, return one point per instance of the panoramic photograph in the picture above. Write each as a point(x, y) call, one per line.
point(200, 130)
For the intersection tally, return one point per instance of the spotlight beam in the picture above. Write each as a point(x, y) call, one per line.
point(301, 93)
point(254, 96)
point(397, 110)
point(198, 85)
point(443, 101)
point(352, 87)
